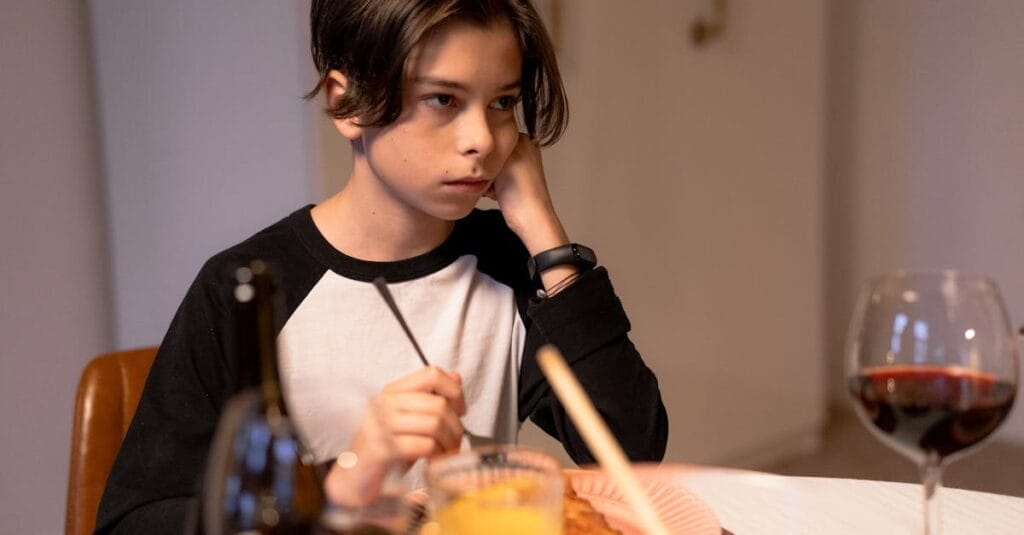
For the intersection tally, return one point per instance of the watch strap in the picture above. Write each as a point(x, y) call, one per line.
point(573, 254)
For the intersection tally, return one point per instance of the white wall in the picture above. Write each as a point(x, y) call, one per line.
point(53, 279)
point(925, 136)
point(205, 137)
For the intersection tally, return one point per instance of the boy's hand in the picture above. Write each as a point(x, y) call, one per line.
point(522, 195)
point(413, 417)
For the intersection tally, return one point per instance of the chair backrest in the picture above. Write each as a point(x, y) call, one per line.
point(108, 394)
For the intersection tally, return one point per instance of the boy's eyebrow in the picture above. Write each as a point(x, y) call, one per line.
point(456, 85)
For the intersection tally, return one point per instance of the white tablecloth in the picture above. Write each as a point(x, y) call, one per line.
point(752, 503)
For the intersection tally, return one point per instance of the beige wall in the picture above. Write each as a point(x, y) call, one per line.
point(53, 257)
point(926, 121)
point(696, 174)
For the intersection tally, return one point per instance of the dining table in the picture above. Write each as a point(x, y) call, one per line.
point(749, 502)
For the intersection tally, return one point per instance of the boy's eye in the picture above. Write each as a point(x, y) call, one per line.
point(439, 101)
point(506, 102)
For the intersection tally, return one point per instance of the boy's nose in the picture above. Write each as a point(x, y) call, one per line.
point(475, 135)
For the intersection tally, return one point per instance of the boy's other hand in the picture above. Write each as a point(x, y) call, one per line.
point(413, 417)
point(522, 195)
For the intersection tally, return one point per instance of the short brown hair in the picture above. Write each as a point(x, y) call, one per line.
point(369, 42)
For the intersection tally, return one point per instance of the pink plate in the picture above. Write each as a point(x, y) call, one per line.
point(681, 511)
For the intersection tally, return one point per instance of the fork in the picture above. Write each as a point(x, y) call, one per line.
point(475, 440)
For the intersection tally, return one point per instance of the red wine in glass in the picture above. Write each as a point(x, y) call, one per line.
point(925, 410)
point(932, 368)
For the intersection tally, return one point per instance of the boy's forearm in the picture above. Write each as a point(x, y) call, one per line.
point(590, 327)
point(547, 233)
point(627, 396)
point(526, 205)
point(541, 230)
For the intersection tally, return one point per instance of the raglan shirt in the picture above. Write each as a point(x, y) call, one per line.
point(470, 304)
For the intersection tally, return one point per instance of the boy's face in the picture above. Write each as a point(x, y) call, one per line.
point(457, 127)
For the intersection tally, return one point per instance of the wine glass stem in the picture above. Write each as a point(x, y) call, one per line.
point(931, 480)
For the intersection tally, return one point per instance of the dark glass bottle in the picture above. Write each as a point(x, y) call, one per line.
point(259, 478)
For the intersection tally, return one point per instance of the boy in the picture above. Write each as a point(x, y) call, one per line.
point(427, 92)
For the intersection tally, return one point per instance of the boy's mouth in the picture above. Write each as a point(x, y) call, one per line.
point(469, 184)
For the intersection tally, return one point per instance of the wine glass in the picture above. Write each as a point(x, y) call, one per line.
point(932, 368)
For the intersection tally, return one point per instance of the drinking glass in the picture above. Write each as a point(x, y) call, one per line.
point(931, 367)
point(499, 490)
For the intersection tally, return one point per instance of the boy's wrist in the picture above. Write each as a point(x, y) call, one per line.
point(558, 278)
point(571, 254)
point(352, 481)
point(541, 233)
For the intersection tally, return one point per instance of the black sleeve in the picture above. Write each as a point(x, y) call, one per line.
point(154, 479)
point(162, 517)
point(587, 323)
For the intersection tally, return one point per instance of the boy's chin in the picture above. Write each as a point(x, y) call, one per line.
point(454, 212)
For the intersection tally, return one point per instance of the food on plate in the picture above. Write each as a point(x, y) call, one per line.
point(581, 517)
point(505, 507)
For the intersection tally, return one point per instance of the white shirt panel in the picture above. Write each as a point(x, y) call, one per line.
point(464, 320)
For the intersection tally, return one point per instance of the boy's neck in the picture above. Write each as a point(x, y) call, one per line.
point(355, 224)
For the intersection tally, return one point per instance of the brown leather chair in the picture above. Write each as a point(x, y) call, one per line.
point(108, 394)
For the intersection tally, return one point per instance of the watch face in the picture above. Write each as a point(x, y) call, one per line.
point(585, 254)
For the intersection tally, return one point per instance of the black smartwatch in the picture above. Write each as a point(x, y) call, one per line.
point(572, 254)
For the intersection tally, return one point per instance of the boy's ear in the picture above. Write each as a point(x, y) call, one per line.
point(335, 86)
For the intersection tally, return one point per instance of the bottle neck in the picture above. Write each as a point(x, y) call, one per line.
point(270, 377)
point(269, 374)
point(256, 307)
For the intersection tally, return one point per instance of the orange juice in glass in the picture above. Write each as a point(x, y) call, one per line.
point(496, 491)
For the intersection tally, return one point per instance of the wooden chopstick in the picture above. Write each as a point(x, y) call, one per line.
point(597, 436)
